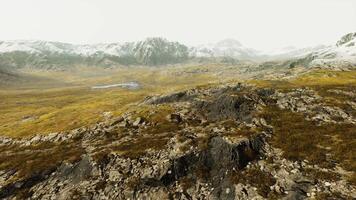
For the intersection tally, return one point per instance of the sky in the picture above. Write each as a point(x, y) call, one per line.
point(260, 24)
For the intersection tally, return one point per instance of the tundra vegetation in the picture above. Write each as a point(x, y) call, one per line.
point(231, 131)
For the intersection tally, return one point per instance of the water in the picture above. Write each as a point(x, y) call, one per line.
point(128, 85)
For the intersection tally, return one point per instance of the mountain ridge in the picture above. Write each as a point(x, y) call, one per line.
point(158, 51)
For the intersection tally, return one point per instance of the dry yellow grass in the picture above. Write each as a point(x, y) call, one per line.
point(302, 139)
point(311, 79)
point(64, 100)
point(38, 108)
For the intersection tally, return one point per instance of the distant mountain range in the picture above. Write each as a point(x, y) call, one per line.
point(225, 48)
point(157, 51)
point(49, 55)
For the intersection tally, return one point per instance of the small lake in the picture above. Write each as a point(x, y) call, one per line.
point(128, 85)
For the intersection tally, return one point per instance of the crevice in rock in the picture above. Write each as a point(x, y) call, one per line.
point(212, 164)
point(22, 185)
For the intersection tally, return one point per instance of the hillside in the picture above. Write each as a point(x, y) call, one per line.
point(199, 123)
point(265, 140)
point(6, 77)
point(230, 130)
point(178, 100)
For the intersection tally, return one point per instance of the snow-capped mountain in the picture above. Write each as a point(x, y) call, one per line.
point(159, 51)
point(290, 52)
point(344, 49)
point(224, 48)
point(340, 56)
point(44, 54)
point(44, 47)
point(154, 51)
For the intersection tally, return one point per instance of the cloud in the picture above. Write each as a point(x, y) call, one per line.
point(256, 23)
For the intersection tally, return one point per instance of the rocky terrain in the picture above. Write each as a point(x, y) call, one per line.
point(233, 141)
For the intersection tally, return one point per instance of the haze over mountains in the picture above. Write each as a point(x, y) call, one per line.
point(157, 51)
point(178, 100)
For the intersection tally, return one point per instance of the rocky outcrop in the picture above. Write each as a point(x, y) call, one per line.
point(212, 144)
point(152, 175)
point(346, 38)
point(309, 102)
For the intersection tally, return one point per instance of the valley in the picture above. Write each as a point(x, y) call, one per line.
point(173, 125)
point(260, 139)
point(72, 103)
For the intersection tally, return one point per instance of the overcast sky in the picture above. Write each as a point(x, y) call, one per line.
point(261, 24)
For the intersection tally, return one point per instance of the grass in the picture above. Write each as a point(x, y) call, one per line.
point(140, 146)
point(37, 159)
point(306, 140)
point(59, 108)
point(242, 131)
point(152, 113)
point(257, 178)
point(63, 100)
point(70, 103)
point(300, 139)
point(313, 79)
point(331, 196)
point(153, 138)
point(322, 175)
point(324, 77)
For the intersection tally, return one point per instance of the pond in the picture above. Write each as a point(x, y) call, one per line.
point(128, 85)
